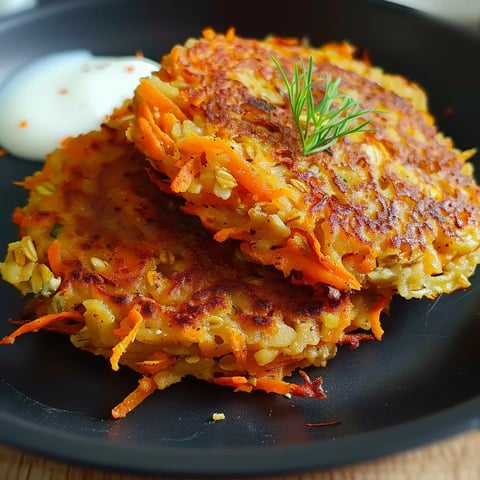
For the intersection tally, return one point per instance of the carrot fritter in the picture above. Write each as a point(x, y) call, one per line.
point(113, 262)
point(394, 210)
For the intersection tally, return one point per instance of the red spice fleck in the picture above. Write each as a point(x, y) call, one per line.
point(130, 69)
point(139, 54)
point(354, 339)
point(62, 91)
point(23, 124)
point(3, 152)
point(323, 424)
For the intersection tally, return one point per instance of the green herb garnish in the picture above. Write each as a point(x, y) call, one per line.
point(56, 229)
point(321, 125)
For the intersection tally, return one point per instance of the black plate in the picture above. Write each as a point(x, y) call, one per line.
point(418, 385)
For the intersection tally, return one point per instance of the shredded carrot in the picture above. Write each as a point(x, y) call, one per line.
point(54, 258)
point(155, 363)
point(240, 383)
point(374, 316)
point(155, 97)
point(238, 233)
point(175, 69)
point(155, 142)
point(134, 319)
point(244, 387)
point(40, 323)
point(330, 264)
point(245, 173)
point(310, 388)
point(273, 386)
point(290, 258)
point(167, 121)
point(146, 386)
point(153, 147)
point(231, 381)
point(260, 183)
point(186, 174)
point(146, 113)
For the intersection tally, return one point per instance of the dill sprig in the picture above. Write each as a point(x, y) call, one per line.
point(320, 126)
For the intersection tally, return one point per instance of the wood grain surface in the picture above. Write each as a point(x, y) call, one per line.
point(457, 458)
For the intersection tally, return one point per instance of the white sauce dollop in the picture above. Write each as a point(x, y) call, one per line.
point(64, 94)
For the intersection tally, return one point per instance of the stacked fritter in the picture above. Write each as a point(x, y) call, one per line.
point(113, 262)
point(393, 209)
point(300, 253)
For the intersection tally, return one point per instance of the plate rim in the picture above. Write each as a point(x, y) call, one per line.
point(263, 461)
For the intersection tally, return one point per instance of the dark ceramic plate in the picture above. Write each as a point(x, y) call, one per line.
point(418, 385)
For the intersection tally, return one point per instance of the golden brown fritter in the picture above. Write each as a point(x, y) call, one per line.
point(395, 209)
point(112, 261)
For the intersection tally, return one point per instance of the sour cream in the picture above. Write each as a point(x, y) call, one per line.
point(64, 94)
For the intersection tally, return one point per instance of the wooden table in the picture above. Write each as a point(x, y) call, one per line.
point(457, 458)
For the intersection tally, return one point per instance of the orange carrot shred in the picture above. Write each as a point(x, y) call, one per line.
point(238, 233)
point(153, 96)
point(146, 386)
point(186, 174)
point(155, 363)
point(273, 386)
point(244, 171)
point(54, 259)
point(374, 317)
point(146, 114)
point(290, 258)
point(231, 381)
point(120, 348)
point(331, 265)
point(40, 323)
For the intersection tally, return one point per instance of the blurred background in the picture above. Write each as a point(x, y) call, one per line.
point(465, 12)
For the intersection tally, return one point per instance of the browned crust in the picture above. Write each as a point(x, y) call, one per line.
point(419, 196)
